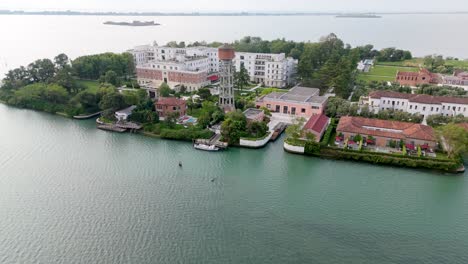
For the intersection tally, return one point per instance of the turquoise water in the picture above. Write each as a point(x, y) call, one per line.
point(70, 193)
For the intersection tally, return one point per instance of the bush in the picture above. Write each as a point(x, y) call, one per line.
point(186, 134)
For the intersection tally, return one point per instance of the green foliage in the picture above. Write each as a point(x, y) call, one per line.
point(50, 98)
point(294, 131)
point(256, 129)
point(312, 148)
point(440, 120)
point(144, 113)
point(164, 90)
point(95, 66)
point(455, 138)
point(392, 54)
point(241, 78)
point(234, 127)
point(204, 93)
point(111, 77)
point(442, 90)
point(188, 134)
point(112, 101)
point(419, 151)
point(328, 134)
point(391, 159)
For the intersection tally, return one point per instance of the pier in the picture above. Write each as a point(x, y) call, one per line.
point(215, 140)
point(278, 130)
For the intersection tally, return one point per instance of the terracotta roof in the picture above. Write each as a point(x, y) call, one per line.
point(419, 98)
point(170, 101)
point(316, 123)
point(403, 130)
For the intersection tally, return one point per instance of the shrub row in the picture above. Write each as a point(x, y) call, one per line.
point(391, 159)
point(186, 134)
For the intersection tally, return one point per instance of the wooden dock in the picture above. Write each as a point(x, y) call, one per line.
point(278, 130)
point(215, 140)
point(111, 127)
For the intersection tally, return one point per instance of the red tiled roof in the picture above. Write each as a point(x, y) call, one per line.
point(419, 98)
point(366, 126)
point(317, 123)
point(170, 101)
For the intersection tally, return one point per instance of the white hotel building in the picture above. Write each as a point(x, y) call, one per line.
point(192, 66)
point(422, 104)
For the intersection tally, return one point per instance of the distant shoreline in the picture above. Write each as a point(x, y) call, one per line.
point(78, 13)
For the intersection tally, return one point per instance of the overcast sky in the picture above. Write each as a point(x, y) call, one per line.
point(239, 5)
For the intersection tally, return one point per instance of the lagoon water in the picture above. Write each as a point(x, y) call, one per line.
point(27, 38)
point(70, 193)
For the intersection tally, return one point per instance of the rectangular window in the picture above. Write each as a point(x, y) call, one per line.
point(277, 109)
point(432, 109)
point(285, 109)
point(411, 107)
point(424, 108)
point(268, 106)
point(303, 110)
point(416, 107)
point(293, 110)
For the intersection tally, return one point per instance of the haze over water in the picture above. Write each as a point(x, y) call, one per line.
point(26, 38)
point(70, 193)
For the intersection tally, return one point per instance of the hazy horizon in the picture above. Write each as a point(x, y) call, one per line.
point(239, 6)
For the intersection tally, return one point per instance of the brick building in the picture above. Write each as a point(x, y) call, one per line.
point(383, 131)
point(423, 76)
point(166, 105)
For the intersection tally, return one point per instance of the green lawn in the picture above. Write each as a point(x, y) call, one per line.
point(92, 86)
point(417, 62)
point(384, 73)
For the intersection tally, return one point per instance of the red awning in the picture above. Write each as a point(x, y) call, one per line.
point(370, 141)
point(425, 146)
point(351, 142)
point(410, 146)
point(213, 78)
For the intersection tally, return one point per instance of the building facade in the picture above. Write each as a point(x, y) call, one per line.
point(166, 105)
point(299, 101)
point(458, 78)
point(385, 131)
point(275, 70)
point(423, 76)
point(197, 64)
point(422, 104)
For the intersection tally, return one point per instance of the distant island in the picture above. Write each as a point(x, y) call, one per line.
point(108, 13)
point(132, 24)
point(358, 16)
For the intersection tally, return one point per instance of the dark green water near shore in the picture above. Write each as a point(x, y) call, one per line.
point(70, 193)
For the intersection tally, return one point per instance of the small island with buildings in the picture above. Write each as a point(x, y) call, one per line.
point(134, 23)
point(218, 97)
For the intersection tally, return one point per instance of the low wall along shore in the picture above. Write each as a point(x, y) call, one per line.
point(259, 143)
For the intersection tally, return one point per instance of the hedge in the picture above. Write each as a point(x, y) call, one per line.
point(186, 134)
point(328, 133)
point(391, 159)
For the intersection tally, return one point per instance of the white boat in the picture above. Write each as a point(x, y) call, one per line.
point(206, 147)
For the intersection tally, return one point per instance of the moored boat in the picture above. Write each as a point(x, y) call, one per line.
point(205, 147)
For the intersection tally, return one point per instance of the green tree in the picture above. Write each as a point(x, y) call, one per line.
point(204, 93)
point(241, 78)
point(111, 77)
point(234, 127)
point(455, 139)
point(61, 61)
point(112, 101)
point(164, 90)
point(294, 131)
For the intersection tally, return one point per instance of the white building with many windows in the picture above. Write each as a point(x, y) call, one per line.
point(274, 70)
point(422, 104)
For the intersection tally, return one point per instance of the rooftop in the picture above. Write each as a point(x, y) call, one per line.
point(171, 101)
point(251, 113)
point(316, 123)
point(419, 98)
point(385, 128)
point(298, 94)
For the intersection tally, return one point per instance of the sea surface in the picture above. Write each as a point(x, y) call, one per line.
point(27, 38)
point(70, 193)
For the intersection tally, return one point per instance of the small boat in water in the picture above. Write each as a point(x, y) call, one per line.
point(206, 147)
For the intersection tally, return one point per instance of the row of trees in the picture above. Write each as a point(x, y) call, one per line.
point(95, 66)
point(393, 55)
